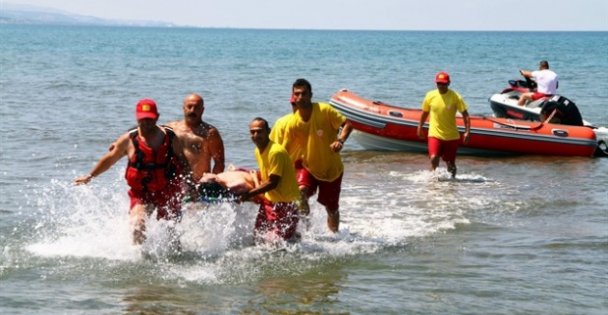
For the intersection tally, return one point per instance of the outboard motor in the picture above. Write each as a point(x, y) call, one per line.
point(566, 111)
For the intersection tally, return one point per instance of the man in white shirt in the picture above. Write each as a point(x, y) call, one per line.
point(546, 81)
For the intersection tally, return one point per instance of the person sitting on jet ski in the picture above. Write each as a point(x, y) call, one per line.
point(545, 79)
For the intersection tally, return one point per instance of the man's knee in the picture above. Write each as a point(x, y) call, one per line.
point(138, 211)
point(524, 97)
point(435, 160)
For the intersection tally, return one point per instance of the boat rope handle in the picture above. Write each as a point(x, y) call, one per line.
point(516, 127)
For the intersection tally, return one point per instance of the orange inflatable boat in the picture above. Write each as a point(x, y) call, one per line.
point(381, 126)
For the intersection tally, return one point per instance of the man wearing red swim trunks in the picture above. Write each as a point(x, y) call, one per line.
point(156, 158)
point(546, 81)
point(317, 132)
point(278, 213)
point(443, 136)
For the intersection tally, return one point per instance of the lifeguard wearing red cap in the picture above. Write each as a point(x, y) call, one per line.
point(146, 108)
point(442, 77)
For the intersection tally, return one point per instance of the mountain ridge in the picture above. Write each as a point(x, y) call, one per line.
point(27, 14)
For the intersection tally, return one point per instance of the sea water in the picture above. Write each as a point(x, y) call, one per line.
point(511, 235)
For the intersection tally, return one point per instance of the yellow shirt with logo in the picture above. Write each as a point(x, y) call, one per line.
point(442, 108)
point(275, 161)
point(294, 147)
point(316, 135)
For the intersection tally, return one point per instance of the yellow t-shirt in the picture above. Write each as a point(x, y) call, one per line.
point(294, 147)
point(442, 108)
point(275, 160)
point(316, 135)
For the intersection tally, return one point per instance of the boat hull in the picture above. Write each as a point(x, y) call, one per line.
point(504, 105)
point(382, 126)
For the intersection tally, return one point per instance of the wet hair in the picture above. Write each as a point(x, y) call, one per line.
point(302, 82)
point(544, 64)
point(262, 120)
point(213, 191)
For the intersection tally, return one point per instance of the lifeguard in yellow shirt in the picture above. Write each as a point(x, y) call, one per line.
point(443, 137)
point(318, 131)
point(277, 135)
point(278, 213)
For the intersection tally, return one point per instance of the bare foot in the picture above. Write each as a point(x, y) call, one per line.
point(333, 220)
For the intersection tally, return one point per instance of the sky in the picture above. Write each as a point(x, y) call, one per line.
point(482, 15)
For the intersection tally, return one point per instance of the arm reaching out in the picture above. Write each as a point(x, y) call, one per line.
point(118, 150)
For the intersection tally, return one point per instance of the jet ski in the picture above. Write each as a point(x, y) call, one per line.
point(564, 111)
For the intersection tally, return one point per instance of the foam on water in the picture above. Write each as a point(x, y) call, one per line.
point(216, 241)
point(84, 221)
point(509, 235)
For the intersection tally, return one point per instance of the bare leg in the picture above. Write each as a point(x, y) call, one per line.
point(434, 162)
point(451, 168)
point(333, 219)
point(523, 98)
point(137, 219)
point(304, 207)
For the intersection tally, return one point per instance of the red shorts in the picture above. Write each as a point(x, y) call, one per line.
point(168, 202)
point(445, 149)
point(298, 164)
point(329, 192)
point(537, 95)
point(279, 218)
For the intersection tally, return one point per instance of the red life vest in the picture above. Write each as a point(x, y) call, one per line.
point(150, 170)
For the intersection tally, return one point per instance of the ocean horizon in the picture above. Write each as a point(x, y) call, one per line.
point(514, 235)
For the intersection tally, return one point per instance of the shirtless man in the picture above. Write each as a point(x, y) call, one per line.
point(236, 182)
point(202, 141)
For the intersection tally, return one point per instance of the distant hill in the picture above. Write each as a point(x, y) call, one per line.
point(25, 14)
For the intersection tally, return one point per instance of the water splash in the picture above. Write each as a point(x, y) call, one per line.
point(216, 241)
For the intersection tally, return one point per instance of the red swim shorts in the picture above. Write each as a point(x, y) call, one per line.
point(279, 218)
point(329, 192)
point(298, 164)
point(537, 96)
point(167, 202)
point(445, 149)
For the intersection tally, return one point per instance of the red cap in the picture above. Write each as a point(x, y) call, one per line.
point(442, 77)
point(146, 108)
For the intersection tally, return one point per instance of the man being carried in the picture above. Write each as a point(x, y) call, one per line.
point(226, 186)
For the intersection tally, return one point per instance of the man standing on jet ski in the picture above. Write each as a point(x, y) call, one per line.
point(545, 79)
